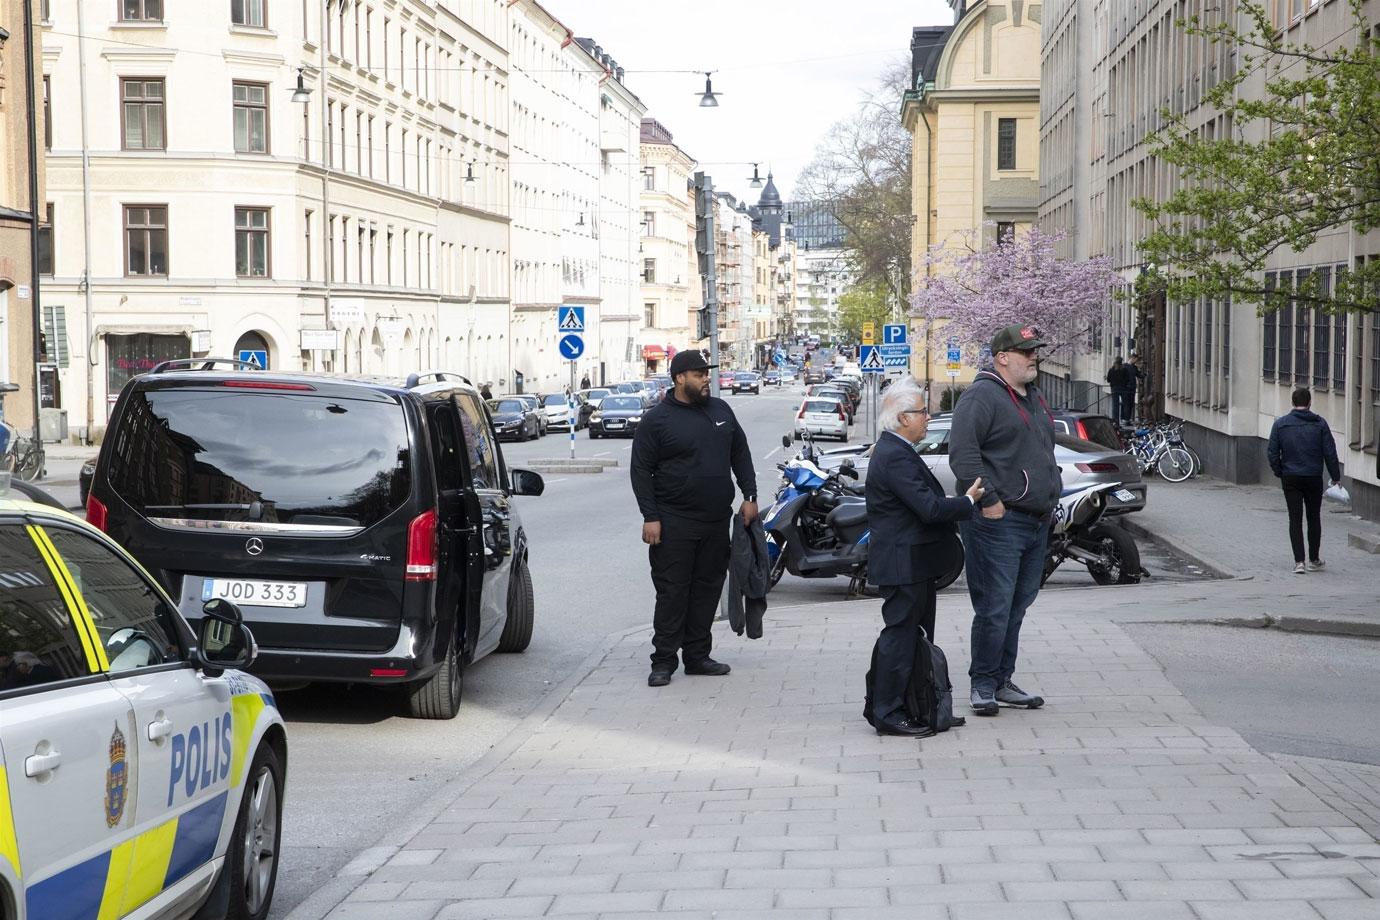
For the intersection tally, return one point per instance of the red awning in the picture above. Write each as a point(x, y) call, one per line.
point(653, 352)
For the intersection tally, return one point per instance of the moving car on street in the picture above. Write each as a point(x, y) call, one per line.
point(772, 378)
point(514, 420)
point(533, 402)
point(822, 417)
point(726, 379)
point(556, 408)
point(367, 528)
point(747, 382)
point(141, 770)
point(618, 416)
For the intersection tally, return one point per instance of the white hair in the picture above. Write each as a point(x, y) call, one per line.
point(902, 396)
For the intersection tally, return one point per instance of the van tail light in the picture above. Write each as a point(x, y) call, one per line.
point(95, 513)
point(1082, 430)
point(423, 547)
point(265, 385)
point(1096, 467)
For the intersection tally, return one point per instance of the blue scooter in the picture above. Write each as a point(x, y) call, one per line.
point(817, 527)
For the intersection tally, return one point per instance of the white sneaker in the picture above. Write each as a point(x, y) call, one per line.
point(1299, 569)
point(1316, 565)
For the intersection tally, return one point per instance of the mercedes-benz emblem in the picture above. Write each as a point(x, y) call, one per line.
point(253, 546)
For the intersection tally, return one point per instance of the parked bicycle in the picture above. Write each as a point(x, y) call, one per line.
point(19, 455)
point(1161, 448)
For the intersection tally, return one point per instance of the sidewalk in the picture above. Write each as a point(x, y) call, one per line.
point(1241, 532)
point(765, 794)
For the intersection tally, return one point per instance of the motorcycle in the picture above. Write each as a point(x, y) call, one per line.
point(817, 526)
point(1078, 532)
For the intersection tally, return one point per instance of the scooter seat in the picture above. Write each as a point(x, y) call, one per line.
point(847, 515)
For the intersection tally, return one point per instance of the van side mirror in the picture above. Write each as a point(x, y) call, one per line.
point(224, 641)
point(527, 482)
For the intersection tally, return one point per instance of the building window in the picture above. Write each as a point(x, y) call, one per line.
point(1286, 332)
point(648, 223)
point(1322, 335)
point(47, 111)
point(247, 13)
point(251, 117)
point(1268, 337)
point(1006, 143)
point(649, 271)
point(649, 178)
point(649, 315)
point(142, 114)
point(141, 10)
point(45, 242)
point(306, 263)
point(251, 242)
point(1006, 232)
point(1301, 332)
point(146, 240)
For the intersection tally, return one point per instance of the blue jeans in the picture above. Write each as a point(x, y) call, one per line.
point(1005, 559)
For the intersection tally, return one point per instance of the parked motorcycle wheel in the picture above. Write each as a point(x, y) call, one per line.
point(1175, 465)
point(951, 576)
point(1119, 547)
point(778, 567)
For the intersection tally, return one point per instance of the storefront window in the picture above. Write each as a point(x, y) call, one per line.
point(130, 355)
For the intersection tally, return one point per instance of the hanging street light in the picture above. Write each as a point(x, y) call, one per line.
point(469, 172)
point(302, 93)
point(756, 180)
point(581, 221)
point(710, 99)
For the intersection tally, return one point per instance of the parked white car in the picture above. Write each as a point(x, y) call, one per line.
point(821, 417)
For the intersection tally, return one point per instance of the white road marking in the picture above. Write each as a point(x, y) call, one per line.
point(772, 454)
point(562, 479)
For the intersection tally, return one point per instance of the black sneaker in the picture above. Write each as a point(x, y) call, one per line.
point(659, 677)
point(984, 702)
point(708, 667)
point(1008, 694)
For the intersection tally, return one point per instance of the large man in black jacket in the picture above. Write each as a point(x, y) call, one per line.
point(688, 449)
point(913, 542)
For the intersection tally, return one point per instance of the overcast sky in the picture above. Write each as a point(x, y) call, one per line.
point(788, 69)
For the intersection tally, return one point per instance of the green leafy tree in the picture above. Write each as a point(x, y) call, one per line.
point(1315, 170)
point(866, 302)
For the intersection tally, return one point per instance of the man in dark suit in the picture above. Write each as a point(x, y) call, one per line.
point(913, 543)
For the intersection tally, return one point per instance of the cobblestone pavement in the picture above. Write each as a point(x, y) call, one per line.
point(1353, 789)
point(765, 794)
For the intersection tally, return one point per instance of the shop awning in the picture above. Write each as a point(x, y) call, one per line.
point(653, 352)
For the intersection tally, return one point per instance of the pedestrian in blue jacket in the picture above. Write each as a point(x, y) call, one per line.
point(1301, 446)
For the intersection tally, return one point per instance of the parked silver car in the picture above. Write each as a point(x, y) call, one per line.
point(1082, 463)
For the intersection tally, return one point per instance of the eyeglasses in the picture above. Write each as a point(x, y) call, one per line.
point(920, 411)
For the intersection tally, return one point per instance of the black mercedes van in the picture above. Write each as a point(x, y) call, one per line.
point(365, 527)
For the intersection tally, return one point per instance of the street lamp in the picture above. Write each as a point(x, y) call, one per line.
point(756, 180)
point(302, 93)
point(710, 99)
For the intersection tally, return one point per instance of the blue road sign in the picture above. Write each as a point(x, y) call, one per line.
point(871, 360)
point(896, 360)
point(570, 319)
point(895, 351)
point(572, 346)
point(256, 356)
point(779, 359)
point(955, 355)
point(894, 334)
point(953, 342)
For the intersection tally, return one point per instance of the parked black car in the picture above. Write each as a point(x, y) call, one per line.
point(514, 420)
point(618, 416)
point(366, 529)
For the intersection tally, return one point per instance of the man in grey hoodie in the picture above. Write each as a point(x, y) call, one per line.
point(1004, 433)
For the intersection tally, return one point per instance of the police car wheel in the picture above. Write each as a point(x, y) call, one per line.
point(254, 846)
point(517, 632)
point(438, 697)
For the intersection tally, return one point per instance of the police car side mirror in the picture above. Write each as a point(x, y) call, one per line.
point(224, 641)
point(527, 482)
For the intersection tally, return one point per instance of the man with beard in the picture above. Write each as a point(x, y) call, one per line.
point(1003, 434)
point(687, 451)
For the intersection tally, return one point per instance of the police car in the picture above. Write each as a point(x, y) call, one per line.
point(141, 774)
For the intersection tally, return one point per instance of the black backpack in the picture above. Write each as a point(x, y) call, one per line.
point(929, 698)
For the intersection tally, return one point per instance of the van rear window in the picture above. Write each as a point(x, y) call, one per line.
point(282, 458)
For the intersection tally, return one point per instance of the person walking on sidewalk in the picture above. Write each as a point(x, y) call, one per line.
point(1301, 446)
point(913, 542)
point(685, 455)
point(1003, 434)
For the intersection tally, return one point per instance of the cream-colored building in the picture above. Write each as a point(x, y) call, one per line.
point(363, 230)
point(670, 273)
point(18, 279)
point(973, 110)
point(1219, 366)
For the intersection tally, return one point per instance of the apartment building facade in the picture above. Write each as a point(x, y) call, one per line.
point(670, 290)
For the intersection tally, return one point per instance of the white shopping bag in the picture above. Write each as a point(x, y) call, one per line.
point(1338, 493)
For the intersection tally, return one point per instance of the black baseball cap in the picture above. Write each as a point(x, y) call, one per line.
point(1017, 337)
point(689, 360)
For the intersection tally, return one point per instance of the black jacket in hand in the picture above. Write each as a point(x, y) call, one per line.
point(748, 577)
point(684, 460)
point(911, 519)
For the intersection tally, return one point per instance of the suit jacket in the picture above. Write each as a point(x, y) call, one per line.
point(748, 575)
point(911, 519)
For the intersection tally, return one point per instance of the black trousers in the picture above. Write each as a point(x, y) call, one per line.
point(1303, 494)
point(904, 607)
point(688, 570)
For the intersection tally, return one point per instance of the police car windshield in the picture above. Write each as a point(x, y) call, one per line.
point(621, 402)
point(219, 455)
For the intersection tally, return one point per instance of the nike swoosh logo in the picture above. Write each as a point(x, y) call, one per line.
point(720, 424)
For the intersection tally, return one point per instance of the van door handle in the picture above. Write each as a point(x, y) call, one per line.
point(38, 764)
point(160, 729)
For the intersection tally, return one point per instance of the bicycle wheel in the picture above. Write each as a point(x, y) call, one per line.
point(1197, 461)
point(30, 464)
point(1175, 464)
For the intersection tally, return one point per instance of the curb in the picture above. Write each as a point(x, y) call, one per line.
point(356, 872)
point(1349, 628)
point(1212, 566)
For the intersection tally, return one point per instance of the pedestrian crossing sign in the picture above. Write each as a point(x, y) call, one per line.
point(872, 362)
point(571, 319)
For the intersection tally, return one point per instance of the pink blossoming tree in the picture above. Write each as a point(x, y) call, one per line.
point(970, 290)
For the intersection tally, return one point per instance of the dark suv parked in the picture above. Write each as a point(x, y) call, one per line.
point(366, 529)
